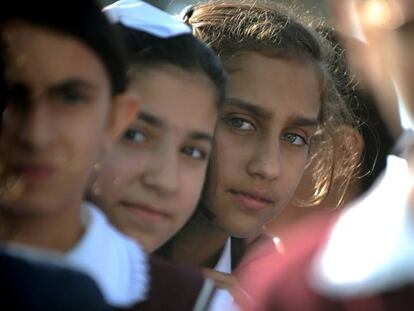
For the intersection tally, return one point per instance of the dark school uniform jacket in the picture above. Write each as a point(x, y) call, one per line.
point(172, 287)
point(27, 285)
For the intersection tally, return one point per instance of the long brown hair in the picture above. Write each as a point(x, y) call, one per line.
point(232, 27)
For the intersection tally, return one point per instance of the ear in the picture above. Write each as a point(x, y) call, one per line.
point(124, 110)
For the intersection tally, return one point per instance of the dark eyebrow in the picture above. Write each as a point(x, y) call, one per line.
point(154, 121)
point(150, 119)
point(72, 84)
point(201, 136)
point(304, 121)
point(249, 107)
point(20, 88)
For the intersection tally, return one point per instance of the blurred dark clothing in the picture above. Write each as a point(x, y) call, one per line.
point(35, 285)
point(172, 287)
point(31, 285)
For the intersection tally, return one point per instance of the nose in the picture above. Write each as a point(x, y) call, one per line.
point(265, 162)
point(36, 127)
point(162, 172)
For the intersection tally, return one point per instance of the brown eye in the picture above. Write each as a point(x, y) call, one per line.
point(194, 153)
point(134, 135)
point(294, 139)
point(241, 124)
point(69, 95)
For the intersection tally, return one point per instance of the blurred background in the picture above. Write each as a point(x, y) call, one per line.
point(316, 7)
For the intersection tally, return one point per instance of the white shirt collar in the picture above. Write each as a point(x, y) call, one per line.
point(371, 247)
point(116, 262)
point(224, 263)
point(222, 299)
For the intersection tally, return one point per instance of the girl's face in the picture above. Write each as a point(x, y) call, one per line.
point(262, 140)
point(151, 182)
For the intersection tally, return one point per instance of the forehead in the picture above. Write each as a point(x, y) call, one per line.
point(38, 56)
point(276, 84)
point(179, 98)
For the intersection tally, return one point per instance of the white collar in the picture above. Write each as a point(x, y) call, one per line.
point(145, 17)
point(224, 263)
point(222, 299)
point(371, 247)
point(116, 262)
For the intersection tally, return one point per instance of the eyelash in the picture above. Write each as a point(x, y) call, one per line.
point(230, 121)
point(286, 136)
point(131, 133)
point(20, 97)
point(201, 157)
point(70, 96)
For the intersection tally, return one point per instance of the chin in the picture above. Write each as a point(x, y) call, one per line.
point(239, 231)
point(28, 208)
point(148, 243)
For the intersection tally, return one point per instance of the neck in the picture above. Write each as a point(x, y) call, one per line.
point(199, 243)
point(58, 231)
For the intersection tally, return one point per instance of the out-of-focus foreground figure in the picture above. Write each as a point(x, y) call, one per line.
point(64, 82)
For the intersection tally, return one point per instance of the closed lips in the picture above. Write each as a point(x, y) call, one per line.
point(254, 195)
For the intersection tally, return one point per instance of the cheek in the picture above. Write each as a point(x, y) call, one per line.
point(10, 123)
point(191, 189)
point(83, 133)
point(294, 168)
point(78, 153)
point(118, 173)
point(230, 153)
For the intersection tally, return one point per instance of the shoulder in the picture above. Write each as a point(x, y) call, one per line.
point(35, 285)
point(266, 269)
point(115, 261)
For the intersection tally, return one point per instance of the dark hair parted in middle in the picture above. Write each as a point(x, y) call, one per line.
point(231, 28)
point(185, 51)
